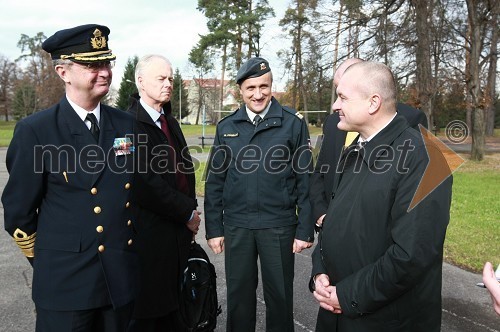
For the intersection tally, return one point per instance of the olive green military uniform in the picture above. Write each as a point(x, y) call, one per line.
point(256, 196)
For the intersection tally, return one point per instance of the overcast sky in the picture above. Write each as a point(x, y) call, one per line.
point(137, 27)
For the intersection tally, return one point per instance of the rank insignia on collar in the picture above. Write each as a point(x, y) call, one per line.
point(300, 116)
point(263, 66)
point(232, 135)
point(99, 41)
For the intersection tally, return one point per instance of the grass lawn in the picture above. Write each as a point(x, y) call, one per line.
point(6, 131)
point(196, 130)
point(200, 183)
point(473, 234)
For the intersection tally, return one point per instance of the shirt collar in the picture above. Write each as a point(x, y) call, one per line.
point(251, 115)
point(154, 114)
point(372, 136)
point(82, 113)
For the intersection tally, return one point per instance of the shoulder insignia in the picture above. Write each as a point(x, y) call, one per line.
point(228, 116)
point(293, 112)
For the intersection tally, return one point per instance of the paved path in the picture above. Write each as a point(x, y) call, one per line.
point(465, 307)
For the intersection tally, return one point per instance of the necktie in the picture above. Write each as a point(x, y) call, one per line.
point(360, 145)
point(256, 120)
point(94, 127)
point(180, 177)
point(164, 128)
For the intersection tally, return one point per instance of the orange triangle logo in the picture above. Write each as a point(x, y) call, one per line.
point(443, 161)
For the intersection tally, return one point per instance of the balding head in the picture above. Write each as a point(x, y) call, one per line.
point(374, 78)
point(342, 68)
point(367, 98)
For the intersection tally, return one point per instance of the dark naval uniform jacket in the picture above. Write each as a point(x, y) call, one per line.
point(259, 176)
point(162, 212)
point(71, 198)
point(384, 258)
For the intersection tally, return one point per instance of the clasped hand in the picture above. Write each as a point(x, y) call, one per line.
point(326, 294)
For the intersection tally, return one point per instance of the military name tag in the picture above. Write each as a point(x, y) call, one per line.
point(122, 146)
point(232, 135)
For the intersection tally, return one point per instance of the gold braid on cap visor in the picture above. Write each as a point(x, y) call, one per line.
point(90, 56)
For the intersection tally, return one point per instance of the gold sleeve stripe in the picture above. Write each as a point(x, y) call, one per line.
point(25, 243)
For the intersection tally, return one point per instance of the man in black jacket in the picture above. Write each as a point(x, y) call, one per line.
point(381, 253)
point(334, 140)
point(166, 198)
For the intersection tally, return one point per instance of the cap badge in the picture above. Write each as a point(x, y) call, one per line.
point(263, 66)
point(99, 41)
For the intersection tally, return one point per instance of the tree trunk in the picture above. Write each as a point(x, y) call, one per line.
point(239, 46)
point(384, 47)
point(221, 104)
point(474, 84)
point(423, 59)
point(200, 101)
point(492, 74)
point(468, 100)
point(302, 90)
point(319, 95)
point(295, 77)
point(336, 54)
point(249, 32)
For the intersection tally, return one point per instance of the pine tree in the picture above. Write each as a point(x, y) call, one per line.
point(179, 88)
point(24, 102)
point(127, 85)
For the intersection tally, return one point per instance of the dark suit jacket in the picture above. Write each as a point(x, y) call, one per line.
point(163, 237)
point(385, 259)
point(65, 211)
point(331, 148)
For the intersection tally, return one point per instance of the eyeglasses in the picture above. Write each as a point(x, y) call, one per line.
point(96, 66)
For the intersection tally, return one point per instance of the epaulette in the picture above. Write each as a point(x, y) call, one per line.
point(228, 116)
point(293, 112)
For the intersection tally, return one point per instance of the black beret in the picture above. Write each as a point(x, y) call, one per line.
point(254, 67)
point(85, 43)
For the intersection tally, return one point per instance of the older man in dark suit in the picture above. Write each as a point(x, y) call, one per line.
point(67, 200)
point(166, 197)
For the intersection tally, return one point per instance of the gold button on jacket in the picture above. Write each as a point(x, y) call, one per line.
point(101, 248)
point(93, 191)
point(97, 210)
point(99, 229)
